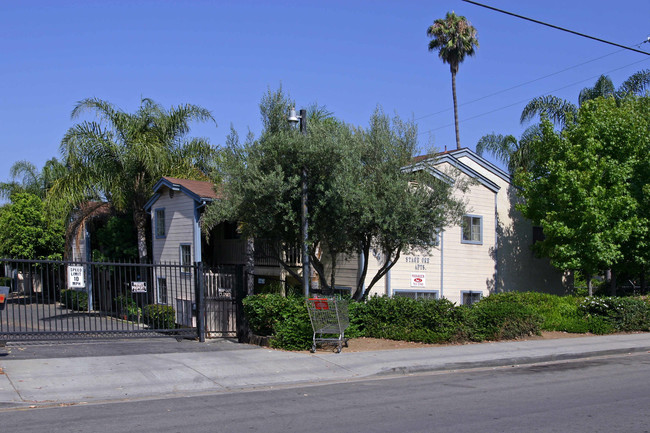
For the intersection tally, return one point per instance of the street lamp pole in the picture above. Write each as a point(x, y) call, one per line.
point(306, 273)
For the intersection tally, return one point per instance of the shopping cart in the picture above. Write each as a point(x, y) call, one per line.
point(328, 317)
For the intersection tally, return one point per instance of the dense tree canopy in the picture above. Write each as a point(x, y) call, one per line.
point(361, 198)
point(26, 232)
point(588, 188)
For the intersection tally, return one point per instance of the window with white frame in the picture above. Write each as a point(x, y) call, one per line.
point(161, 290)
point(470, 297)
point(413, 294)
point(160, 223)
point(186, 258)
point(472, 229)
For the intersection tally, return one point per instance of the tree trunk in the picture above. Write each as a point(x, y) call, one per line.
point(612, 283)
point(590, 288)
point(453, 91)
point(140, 220)
point(250, 265)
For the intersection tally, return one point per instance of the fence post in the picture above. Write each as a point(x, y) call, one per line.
point(200, 301)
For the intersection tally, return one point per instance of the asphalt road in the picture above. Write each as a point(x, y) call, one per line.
point(608, 394)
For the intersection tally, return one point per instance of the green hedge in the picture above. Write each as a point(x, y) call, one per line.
point(400, 318)
point(286, 319)
point(497, 317)
point(503, 317)
point(74, 300)
point(159, 316)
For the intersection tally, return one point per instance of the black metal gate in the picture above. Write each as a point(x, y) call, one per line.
point(61, 300)
point(222, 290)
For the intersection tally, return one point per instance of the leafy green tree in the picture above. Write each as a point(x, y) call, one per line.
point(588, 187)
point(117, 240)
point(27, 233)
point(361, 198)
point(453, 38)
point(122, 155)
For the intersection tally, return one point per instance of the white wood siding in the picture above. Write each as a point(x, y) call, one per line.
point(179, 230)
point(517, 267)
point(179, 226)
point(453, 266)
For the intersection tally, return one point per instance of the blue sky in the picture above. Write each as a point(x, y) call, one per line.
point(350, 56)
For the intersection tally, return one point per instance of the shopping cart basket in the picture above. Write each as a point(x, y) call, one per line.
point(328, 317)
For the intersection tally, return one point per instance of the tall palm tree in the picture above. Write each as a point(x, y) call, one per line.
point(121, 156)
point(454, 38)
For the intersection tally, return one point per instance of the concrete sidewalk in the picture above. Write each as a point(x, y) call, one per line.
point(87, 372)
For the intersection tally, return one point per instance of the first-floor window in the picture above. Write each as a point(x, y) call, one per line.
point(431, 294)
point(470, 297)
point(162, 290)
point(186, 258)
point(472, 229)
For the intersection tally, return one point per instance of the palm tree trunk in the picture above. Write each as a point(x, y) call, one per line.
point(140, 220)
point(453, 91)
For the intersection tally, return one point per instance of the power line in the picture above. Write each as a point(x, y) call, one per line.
point(558, 27)
point(519, 85)
point(526, 100)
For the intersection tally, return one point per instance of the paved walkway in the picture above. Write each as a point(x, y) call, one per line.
point(85, 372)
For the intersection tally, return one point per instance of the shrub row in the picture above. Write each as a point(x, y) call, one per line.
point(496, 317)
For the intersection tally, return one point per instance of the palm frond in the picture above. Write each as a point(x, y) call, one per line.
point(559, 111)
point(636, 84)
point(498, 145)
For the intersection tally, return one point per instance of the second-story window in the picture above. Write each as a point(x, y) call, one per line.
point(472, 229)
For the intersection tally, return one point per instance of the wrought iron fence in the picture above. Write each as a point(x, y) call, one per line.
point(54, 299)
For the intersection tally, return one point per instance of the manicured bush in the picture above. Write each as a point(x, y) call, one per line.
point(74, 300)
point(401, 318)
point(558, 313)
point(286, 319)
point(621, 314)
point(158, 316)
point(503, 317)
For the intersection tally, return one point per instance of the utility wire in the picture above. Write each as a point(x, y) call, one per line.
point(558, 28)
point(519, 85)
point(526, 100)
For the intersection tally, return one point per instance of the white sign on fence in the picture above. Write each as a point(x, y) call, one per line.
point(76, 277)
point(138, 287)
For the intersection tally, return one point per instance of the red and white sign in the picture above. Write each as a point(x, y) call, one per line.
point(418, 280)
